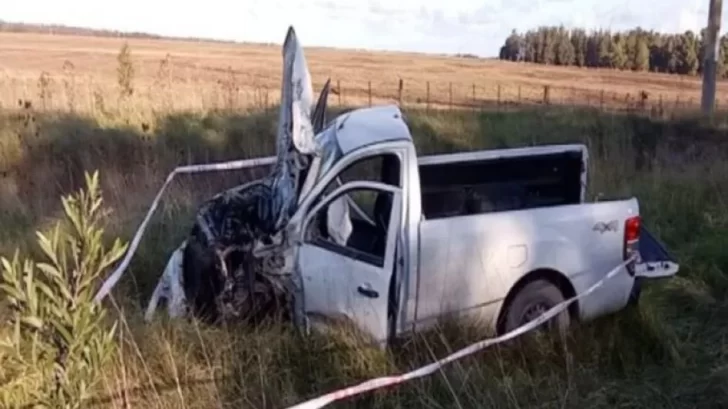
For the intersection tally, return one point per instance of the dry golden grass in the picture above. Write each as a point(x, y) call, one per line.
point(201, 75)
point(670, 350)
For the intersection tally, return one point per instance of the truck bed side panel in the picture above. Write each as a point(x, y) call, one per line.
point(468, 264)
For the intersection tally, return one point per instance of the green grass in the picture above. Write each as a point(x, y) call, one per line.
point(669, 353)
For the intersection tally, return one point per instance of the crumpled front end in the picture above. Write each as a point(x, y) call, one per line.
point(236, 263)
point(170, 287)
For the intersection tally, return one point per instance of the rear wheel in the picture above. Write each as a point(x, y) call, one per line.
point(534, 299)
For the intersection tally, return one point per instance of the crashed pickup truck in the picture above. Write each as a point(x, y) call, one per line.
point(352, 225)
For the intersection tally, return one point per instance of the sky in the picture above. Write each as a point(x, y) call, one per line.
point(432, 26)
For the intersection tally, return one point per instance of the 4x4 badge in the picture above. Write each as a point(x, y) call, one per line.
point(602, 227)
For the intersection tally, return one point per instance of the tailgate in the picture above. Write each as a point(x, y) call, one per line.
point(655, 261)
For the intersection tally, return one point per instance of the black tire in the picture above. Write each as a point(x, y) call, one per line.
point(202, 284)
point(532, 300)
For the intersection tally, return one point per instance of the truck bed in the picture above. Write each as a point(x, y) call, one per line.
point(456, 188)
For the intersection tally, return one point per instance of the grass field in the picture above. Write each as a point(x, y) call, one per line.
point(670, 353)
point(202, 75)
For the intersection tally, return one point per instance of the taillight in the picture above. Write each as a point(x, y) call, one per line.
point(632, 227)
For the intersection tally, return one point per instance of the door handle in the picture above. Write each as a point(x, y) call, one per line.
point(367, 291)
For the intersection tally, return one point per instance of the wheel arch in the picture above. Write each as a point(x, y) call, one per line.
point(560, 280)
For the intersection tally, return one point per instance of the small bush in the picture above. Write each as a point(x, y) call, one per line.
point(59, 341)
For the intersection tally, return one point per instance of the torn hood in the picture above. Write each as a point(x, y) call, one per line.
point(301, 147)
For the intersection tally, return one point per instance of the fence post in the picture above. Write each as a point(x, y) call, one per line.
point(370, 93)
point(339, 90)
point(519, 95)
point(601, 100)
point(661, 108)
point(427, 101)
point(499, 95)
point(450, 94)
point(473, 96)
point(546, 94)
point(401, 88)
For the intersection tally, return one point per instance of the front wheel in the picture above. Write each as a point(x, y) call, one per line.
point(534, 299)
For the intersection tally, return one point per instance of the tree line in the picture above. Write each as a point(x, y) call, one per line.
point(637, 49)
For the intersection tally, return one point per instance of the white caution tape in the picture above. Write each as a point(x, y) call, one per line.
point(233, 165)
point(369, 385)
point(385, 381)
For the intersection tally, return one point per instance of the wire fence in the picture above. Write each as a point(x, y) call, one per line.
point(451, 95)
point(87, 94)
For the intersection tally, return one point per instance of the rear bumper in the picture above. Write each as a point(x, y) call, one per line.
point(650, 271)
point(656, 269)
point(625, 289)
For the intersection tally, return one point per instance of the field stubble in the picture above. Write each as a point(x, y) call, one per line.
point(77, 73)
point(669, 353)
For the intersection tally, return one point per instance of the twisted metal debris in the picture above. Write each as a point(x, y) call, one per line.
point(231, 265)
point(233, 259)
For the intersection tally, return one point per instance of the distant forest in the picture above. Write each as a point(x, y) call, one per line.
point(10, 27)
point(636, 50)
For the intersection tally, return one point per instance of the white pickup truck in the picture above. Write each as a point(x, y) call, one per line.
point(353, 225)
point(499, 235)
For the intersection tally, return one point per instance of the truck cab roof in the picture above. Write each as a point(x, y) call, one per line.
point(368, 126)
point(385, 123)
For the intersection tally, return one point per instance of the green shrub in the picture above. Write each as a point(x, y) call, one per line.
point(60, 339)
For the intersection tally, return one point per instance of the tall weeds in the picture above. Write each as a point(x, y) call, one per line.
point(61, 339)
point(60, 349)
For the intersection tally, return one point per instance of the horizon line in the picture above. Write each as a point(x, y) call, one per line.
point(89, 31)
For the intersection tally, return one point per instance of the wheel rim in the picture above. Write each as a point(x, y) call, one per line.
point(533, 311)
